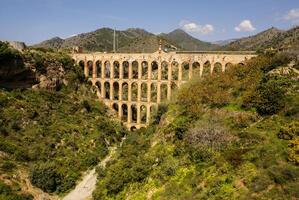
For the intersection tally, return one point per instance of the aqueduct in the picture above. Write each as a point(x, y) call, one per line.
point(133, 84)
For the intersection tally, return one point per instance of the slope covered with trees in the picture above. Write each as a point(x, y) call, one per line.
point(50, 135)
point(228, 136)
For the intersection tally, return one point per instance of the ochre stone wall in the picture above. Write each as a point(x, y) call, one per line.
point(134, 84)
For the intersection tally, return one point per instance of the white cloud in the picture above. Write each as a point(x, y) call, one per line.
point(197, 28)
point(245, 26)
point(292, 14)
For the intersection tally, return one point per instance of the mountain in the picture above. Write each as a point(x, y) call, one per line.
point(272, 37)
point(130, 40)
point(224, 42)
point(188, 42)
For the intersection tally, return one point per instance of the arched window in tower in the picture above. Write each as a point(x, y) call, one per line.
point(164, 68)
point(135, 70)
point(206, 68)
point(125, 70)
point(154, 70)
point(99, 68)
point(107, 90)
point(107, 69)
point(134, 91)
point(116, 91)
point(125, 90)
point(144, 70)
point(116, 69)
point(185, 69)
point(217, 68)
point(89, 66)
point(175, 70)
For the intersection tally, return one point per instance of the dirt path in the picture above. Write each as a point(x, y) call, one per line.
point(85, 187)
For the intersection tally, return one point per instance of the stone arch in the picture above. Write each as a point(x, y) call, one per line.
point(107, 69)
point(185, 70)
point(164, 70)
point(81, 65)
point(241, 63)
point(163, 88)
point(144, 92)
point(143, 112)
point(134, 113)
point(116, 69)
point(154, 66)
point(154, 92)
point(124, 111)
point(173, 86)
point(107, 90)
point(133, 128)
point(195, 68)
point(125, 70)
point(134, 91)
point(99, 68)
point(175, 70)
point(206, 70)
point(144, 70)
point(89, 67)
point(98, 84)
point(115, 107)
point(116, 90)
point(217, 68)
point(135, 70)
point(125, 91)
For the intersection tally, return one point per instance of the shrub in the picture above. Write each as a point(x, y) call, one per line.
point(46, 177)
point(290, 131)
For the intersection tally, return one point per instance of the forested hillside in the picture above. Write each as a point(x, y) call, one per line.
point(227, 136)
point(50, 135)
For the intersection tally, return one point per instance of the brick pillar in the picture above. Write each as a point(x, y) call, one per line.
point(148, 113)
point(111, 70)
point(149, 70)
point(158, 92)
point(94, 69)
point(138, 114)
point(120, 110)
point(139, 91)
point(190, 70)
point(120, 91)
point(168, 90)
point(201, 69)
point(139, 70)
point(103, 90)
point(130, 70)
point(148, 91)
point(129, 113)
point(111, 90)
point(180, 72)
point(159, 71)
point(85, 68)
point(103, 70)
point(129, 91)
point(121, 71)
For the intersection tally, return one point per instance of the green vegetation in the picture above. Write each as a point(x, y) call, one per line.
point(53, 135)
point(231, 135)
point(8, 193)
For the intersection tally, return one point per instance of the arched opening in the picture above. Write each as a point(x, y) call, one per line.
point(227, 66)
point(163, 92)
point(134, 91)
point(175, 70)
point(134, 69)
point(133, 128)
point(143, 114)
point(154, 92)
point(81, 65)
point(125, 90)
point(89, 67)
point(174, 87)
point(164, 69)
point(241, 64)
point(196, 68)
point(134, 113)
point(144, 92)
point(217, 68)
point(185, 70)
point(116, 90)
point(107, 90)
point(115, 107)
point(89, 83)
point(144, 70)
point(124, 115)
point(116, 69)
point(125, 70)
point(206, 69)
point(98, 85)
point(107, 69)
point(154, 70)
point(99, 69)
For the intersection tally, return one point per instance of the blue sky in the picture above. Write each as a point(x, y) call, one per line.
point(33, 21)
